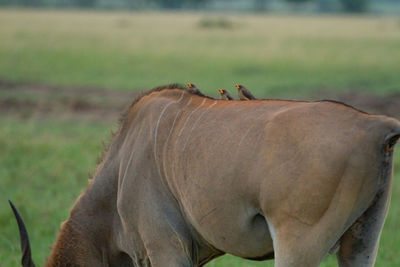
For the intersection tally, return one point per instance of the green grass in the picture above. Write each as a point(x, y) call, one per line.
point(273, 55)
point(44, 168)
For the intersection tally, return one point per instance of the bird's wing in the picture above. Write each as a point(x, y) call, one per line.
point(246, 93)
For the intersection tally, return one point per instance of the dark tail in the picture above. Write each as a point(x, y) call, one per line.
point(23, 234)
point(391, 139)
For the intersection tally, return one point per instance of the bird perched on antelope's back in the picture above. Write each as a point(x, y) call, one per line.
point(244, 93)
point(194, 88)
point(225, 95)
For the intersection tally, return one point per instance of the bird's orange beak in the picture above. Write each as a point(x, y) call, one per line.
point(237, 86)
point(219, 90)
point(190, 85)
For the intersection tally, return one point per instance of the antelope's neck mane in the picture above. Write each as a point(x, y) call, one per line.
point(173, 86)
point(69, 248)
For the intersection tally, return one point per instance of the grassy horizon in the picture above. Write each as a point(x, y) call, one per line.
point(273, 55)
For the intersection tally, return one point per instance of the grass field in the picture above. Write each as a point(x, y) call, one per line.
point(45, 161)
point(274, 55)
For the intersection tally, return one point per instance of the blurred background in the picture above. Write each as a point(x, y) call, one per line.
point(68, 68)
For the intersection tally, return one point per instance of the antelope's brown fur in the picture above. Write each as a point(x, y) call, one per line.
point(188, 178)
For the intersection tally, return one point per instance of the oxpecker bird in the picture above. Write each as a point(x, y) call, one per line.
point(225, 95)
point(244, 93)
point(193, 87)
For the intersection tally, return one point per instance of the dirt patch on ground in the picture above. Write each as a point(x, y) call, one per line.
point(102, 105)
point(33, 101)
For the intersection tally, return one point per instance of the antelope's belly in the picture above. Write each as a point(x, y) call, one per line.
point(243, 233)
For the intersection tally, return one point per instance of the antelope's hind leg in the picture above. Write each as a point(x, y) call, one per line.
point(303, 243)
point(359, 244)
